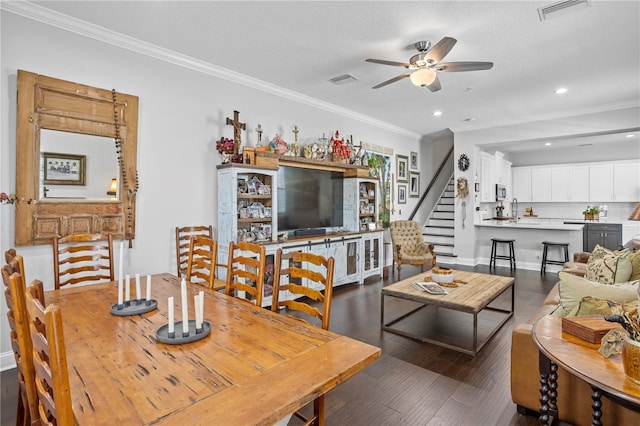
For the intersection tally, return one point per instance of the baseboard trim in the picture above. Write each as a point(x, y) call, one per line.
point(7, 361)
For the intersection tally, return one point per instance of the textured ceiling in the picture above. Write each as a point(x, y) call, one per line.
point(593, 51)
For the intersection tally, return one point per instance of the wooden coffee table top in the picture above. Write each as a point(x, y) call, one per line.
point(583, 360)
point(475, 295)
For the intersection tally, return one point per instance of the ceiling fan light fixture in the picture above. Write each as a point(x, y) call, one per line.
point(422, 77)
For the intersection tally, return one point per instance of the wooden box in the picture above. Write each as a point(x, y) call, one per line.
point(589, 328)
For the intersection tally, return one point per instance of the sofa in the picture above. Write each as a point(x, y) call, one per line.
point(573, 294)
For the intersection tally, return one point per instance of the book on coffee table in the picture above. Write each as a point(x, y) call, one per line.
point(430, 288)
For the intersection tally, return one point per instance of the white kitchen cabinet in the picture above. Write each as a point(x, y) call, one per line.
point(487, 177)
point(521, 183)
point(540, 184)
point(570, 183)
point(601, 182)
point(626, 181)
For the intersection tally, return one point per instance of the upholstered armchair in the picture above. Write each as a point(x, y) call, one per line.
point(409, 247)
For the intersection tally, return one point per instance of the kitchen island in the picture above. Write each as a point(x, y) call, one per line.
point(528, 235)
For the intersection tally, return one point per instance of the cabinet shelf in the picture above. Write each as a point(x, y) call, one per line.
point(255, 220)
point(254, 197)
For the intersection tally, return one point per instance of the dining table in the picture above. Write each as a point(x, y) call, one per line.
point(254, 367)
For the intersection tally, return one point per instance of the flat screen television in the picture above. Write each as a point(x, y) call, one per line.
point(309, 198)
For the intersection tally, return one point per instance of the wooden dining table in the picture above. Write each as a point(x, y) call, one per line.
point(255, 366)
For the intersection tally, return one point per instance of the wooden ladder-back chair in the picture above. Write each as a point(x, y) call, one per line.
point(15, 288)
point(201, 262)
point(409, 246)
point(183, 234)
point(245, 271)
point(308, 275)
point(81, 258)
point(49, 359)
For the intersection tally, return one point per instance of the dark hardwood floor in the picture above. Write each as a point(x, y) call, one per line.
point(412, 383)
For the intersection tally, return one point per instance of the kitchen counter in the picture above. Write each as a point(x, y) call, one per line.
point(530, 224)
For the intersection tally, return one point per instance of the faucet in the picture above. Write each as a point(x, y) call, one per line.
point(514, 211)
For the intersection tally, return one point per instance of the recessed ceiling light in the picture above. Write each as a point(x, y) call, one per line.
point(437, 113)
point(630, 135)
point(547, 144)
point(560, 91)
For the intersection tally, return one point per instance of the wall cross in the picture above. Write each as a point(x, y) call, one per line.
point(237, 128)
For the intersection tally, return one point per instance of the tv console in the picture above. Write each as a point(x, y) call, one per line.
point(309, 231)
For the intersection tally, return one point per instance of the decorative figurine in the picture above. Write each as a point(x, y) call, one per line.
point(295, 148)
point(259, 130)
point(237, 128)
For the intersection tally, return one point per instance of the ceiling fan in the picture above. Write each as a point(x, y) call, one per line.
point(424, 66)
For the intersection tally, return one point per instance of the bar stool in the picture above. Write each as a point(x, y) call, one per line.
point(512, 253)
point(545, 261)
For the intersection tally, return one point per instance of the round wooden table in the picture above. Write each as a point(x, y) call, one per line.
point(582, 359)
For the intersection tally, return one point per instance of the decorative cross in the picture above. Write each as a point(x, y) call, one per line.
point(237, 128)
point(259, 130)
point(295, 134)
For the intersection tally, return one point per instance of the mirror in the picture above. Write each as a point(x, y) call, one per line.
point(60, 123)
point(75, 166)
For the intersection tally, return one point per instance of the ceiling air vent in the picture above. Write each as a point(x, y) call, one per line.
point(343, 79)
point(547, 11)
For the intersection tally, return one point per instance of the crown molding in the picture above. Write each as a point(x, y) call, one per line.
point(83, 28)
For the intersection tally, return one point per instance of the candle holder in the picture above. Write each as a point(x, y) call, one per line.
point(176, 338)
point(134, 307)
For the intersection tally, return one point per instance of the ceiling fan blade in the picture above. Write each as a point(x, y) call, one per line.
point(393, 80)
point(392, 63)
point(440, 49)
point(463, 66)
point(435, 86)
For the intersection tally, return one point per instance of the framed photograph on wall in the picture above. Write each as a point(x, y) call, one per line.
point(64, 169)
point(414, 185)
point(413, 160)
point(402, 193)
point(402, 166)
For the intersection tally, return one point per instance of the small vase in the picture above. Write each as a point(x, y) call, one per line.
point(225, 158)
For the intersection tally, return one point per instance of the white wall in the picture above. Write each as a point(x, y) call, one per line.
point(182, 113)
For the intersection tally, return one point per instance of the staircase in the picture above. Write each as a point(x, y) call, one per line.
point(439, 228)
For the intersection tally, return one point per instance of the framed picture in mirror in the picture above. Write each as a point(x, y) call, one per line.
point(64, 169)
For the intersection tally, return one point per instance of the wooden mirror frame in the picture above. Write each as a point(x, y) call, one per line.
point(49, 103)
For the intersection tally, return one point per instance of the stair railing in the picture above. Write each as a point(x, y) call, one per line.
point(433, 181)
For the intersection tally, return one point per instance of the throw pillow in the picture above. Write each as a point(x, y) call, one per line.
point(599, 252)
point(593, 306)
point(610, 269)
point(573, 289)
point(635, 265)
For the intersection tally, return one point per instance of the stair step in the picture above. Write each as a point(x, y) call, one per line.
point(438, 238)
point(438, 222)
point(445, 254)
point(431, 227)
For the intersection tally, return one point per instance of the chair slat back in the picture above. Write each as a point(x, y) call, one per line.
point(82, 258)
point(309, 276)
point(13, 279)
point(245, 271)
point(49, 359)
point(182, 244)
point(201, 261)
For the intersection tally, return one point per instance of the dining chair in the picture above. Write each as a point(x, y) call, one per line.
point(201, 262)
point(13, 279)
point(310, 277)
point(245, 271)
point(81, 258)
point(182, 244)
point(49, 359)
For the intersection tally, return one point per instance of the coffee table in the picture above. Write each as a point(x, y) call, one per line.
point(580, 358)
point(471, 298)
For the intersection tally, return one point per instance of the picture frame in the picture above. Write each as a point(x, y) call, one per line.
point(243, 184)
point(413, 161)
point(402, 193)
point(414, 185)
point(64, 169)
point(402, 168)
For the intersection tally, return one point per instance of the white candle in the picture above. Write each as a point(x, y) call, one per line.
point(185, 308)
point(196, 304)
point(120, 291)
point(121, 262)
point(127, 289)
point(201, 306)
point(170, 310)
point(148, 287)
point(138, 287)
